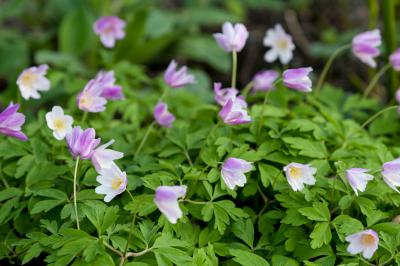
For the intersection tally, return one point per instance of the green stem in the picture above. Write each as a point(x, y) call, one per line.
point(263, 107)
point(146, 135)
point(188, 158)
point(130, 195)
point(234, 69)
point(85, 114)
point(389, 36)
point(328, 66)
point(247, 89)
point(195, 202)
point(375, 79)
point(372, 118)
point(75, 205)
point(129, 239)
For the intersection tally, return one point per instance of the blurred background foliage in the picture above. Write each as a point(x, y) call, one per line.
point(59, 33)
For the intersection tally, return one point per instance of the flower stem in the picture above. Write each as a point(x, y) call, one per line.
point(146, 135)
point(328, 65)
point(372, 118)
point(85, 114)
point(129, 238)
point(130, 194)
point(234, 69)
point(263, 107)
point(188, 157)
point(75, 205)
point(375, 79)
point(247, 89)
point(195, 202)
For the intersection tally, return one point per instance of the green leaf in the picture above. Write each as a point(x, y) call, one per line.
point(320, 235)
point(75, 33)
point(269, 174)
point(52, 193)
point(279, 260)
point(33, 252)
point(307, 147)
point(10, 193)
point(318, 212)
point(142, 205)
point(45, 205)
point(244, 230)
point(247, 258)
point(345, 225)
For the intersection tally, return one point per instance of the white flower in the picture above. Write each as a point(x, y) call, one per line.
point(104, 158)
point(358, 179)
point(32, 80)
point(113, 182)
point(365, 241)
point(58, 122)
point(298, 174)
point(281, 45)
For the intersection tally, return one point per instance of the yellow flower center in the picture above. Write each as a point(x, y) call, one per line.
point(295, 172)
point(282, 44)
point(117, 182)
point(367, 240)
point(28, 78)
point(86, 101)
point(59, 124)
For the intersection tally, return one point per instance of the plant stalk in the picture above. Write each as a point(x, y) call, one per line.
point(375, 80)
point(75, 205)
point(234, 69)
point(389, 36)
point(328, 65)
point(146, 135)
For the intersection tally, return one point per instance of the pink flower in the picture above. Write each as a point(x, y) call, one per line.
point(358, 179)
point(103, 157)
point(11, 122)
point(264, 80)
point(233, 37)
point(110, 91)
point(94, 96)
point(233, 171)
point(391, 174)
point(365, 241)
point(162, 116)
point(166, 199)
point(235, 112)
point(298, 79)
point(395, 59)
point(32, 80)
point(110, 29)
point(90, 99)
point(177, 78)
point(82, 142)
point(365, 46)
point(221, 96)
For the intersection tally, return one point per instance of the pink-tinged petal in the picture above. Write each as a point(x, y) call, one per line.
point(233, 171)
point(233, 37)
point(82, 143)
point(162, 115)
point(113, 93)
point(11, 122)
point(264, 80)
point(110, 29)
point(177, 78)
point(298, 79)
point(166, 199)
point(395, 59)
point(365, 46)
